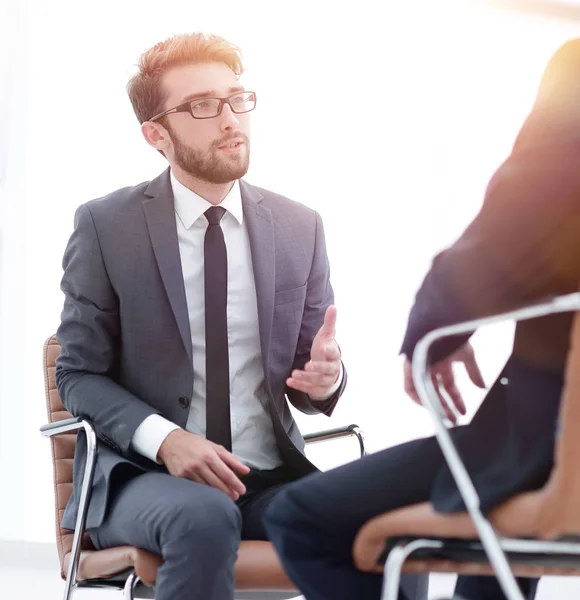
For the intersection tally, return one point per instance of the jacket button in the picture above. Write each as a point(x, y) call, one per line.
point(184, 402)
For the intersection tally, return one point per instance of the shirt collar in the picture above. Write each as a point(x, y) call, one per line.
point(189, 206)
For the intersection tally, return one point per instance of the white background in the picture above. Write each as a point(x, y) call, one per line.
point(388, 118)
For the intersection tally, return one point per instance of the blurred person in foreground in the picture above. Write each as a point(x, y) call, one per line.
point(522, 247)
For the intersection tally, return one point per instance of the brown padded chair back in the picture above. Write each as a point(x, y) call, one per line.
point(63, 450)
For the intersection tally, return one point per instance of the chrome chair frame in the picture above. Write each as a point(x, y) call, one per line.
point(494, 545)
point(130, 585)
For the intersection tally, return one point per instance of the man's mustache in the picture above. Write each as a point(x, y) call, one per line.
point(233, 136)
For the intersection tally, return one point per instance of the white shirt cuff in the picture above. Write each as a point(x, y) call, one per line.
point(149, 436)
point(331, 390)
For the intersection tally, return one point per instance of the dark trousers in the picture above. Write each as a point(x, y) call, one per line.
point(195, 528)
point(313, 522)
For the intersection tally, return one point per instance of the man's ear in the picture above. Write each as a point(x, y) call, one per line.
point(156, 136)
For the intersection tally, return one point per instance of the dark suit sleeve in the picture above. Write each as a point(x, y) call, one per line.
point(89, 336)
point(319, 296)
point(523, 246)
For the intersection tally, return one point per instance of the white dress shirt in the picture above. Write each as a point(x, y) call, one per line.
point(253, 439)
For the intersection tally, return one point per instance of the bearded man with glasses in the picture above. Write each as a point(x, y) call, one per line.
point(196, 306)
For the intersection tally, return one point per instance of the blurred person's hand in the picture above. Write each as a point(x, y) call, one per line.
point(193, 457)
point(443, 379)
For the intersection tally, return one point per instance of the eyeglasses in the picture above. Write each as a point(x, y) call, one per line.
point(208, 108)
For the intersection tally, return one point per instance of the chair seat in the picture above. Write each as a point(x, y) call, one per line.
point(467, 557)
point(459, 552)
point(257, 567)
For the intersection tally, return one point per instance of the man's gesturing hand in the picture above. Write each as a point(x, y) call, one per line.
point(322, 370)
point(192, 457)
point(443, 378)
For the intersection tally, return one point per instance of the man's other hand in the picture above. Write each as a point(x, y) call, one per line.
point(193, 457)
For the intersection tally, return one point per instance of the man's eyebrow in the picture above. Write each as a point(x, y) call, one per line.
point(210, 94)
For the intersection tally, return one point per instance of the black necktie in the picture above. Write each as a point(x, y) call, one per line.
point(217, 368)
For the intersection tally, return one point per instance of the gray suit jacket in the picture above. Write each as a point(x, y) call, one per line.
point(125, 337)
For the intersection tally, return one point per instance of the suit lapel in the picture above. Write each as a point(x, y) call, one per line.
point(160, 216)
point(261, 233)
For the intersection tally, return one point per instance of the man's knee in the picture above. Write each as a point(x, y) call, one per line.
point(215, 522)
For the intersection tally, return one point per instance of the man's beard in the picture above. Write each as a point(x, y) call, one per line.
point(210, 166)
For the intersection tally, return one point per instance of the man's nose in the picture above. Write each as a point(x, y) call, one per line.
point(228, 118)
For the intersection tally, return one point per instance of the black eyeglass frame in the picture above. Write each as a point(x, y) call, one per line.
point(186, 107)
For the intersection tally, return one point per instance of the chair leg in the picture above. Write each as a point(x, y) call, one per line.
point(69, 588)
point(130, 584)
point(394, 565)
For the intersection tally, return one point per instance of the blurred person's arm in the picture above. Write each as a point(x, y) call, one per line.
point(523, 246)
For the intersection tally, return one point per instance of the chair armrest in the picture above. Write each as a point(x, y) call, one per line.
point(68, 426)
point(430, 399)
point(63, 426)
point(338, 432)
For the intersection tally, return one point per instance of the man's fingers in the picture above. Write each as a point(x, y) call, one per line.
point(328, 328)
point(226, 475)
point(307, 388)
point(326, 378)
point(314, 379)
point(232, 461)
point(331, 352)
point(326, 352)
point(213, 480)
point(195, 477)
point(318, 377)
point(206, 477)
point(322, 367)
